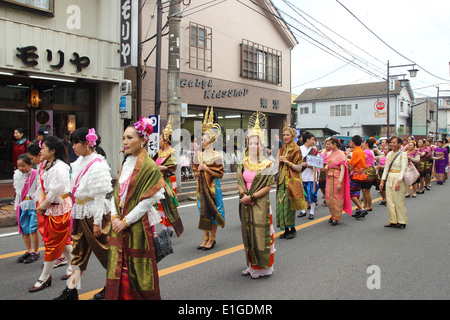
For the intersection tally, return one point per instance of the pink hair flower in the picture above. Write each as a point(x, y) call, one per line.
point(144, 128)
point(91, 137)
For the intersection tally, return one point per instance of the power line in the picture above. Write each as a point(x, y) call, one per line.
point(385, 43)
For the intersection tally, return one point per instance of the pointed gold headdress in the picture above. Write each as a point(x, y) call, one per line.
point(289, 128)
point(168, 130)
point(209, 127)
point(257, 126)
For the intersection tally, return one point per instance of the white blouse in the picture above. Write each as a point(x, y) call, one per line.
point(56, 184)
point(145, 206)
point(92, 188)
point(19, 183)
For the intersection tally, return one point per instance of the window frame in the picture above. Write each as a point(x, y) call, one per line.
point(200, 56)
point(261, 63)
point(31, 8)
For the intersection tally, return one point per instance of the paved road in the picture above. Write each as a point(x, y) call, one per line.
point(358, 259)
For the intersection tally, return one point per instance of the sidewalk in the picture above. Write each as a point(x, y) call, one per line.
point(8, 215)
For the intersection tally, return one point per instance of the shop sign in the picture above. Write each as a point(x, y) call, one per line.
point(264, 103)
point(35, 98)
point(30, 58)
point(210, 93)
point(129, 16)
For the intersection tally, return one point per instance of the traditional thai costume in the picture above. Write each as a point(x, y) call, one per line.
point(90, 182)
point(413, 155)
point(290, 196)
point(370, 170)
point(357, 174)
point(209, 193)
point(309, 177)
point(423, 160)
point(132, 272)
point(441, 164)
point(395, 200)
point(167, 207)
point(25, 185)
point(256, 220)
point(337, 200)
point(53, 193)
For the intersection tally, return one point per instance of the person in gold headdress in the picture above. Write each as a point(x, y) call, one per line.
point(208, 169)
point(255, 177)
point(290, 195)
point(166, 160)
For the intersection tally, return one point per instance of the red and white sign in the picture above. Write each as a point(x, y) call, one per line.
point(380, 105)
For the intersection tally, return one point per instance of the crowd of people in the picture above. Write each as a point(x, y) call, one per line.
point(68, 204)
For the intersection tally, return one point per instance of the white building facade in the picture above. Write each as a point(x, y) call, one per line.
point(359, 109)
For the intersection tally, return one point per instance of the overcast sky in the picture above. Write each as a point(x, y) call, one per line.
point(417, 29)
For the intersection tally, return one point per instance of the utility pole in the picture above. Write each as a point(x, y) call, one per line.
point(158, 57)
point(173, 78)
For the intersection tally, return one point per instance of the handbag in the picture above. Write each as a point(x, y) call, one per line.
point(411, 175)
point(163, 245)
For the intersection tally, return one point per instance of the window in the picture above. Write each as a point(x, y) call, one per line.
point(304, 110)
point(41, 6)
point(200, 47)
point(341, 110)
point(261, 63)
point(313, 107)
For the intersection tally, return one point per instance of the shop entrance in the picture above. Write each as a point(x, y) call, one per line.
point(9, 121)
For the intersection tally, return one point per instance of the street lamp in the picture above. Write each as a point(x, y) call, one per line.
point(412, 74)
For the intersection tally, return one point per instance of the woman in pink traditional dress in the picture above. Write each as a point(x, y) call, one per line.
point(380, 168)
point(323, 172)
point(337, 191)
point(413, 160)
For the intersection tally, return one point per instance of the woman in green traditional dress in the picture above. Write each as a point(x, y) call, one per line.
point(132, 272)
point(208, 169)
point(290, 195)
point(166, 160)
point(255, 177)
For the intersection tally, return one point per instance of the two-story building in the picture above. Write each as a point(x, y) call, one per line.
point(360, 109)
point(59, 68)
point(234, 56)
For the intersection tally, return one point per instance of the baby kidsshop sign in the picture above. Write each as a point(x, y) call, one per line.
point(209, 92)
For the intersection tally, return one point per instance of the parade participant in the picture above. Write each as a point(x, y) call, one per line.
point(357, 164)
point(380, 168)
point(323, 172)
point(309, 174)
point(55, 204)
point(337, 191)
point(20, 146)
point(34, 153)
point(395, 169)
point(428, 163)
point(25, 186)
point(132, 272)
point(255, 177)
point(371, 173)
point(166, 160)
point(413, 160)
point(289, 194)
point(424, 153)
point(208, 169)
point(90, 183)
point(441, 161)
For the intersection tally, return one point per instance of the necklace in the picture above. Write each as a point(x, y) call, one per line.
point(256, 166)
point(164, 154)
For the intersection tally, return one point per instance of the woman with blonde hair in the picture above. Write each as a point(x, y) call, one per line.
point(289, 195)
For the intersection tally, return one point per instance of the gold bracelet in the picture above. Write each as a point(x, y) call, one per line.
point(125, 222)
point(114, 217)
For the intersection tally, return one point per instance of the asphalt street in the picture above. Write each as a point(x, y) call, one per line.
point(357, 259)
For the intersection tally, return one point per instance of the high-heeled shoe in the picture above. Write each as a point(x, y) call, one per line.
point(211, 238)
point(43, 285)
point(203, 244)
